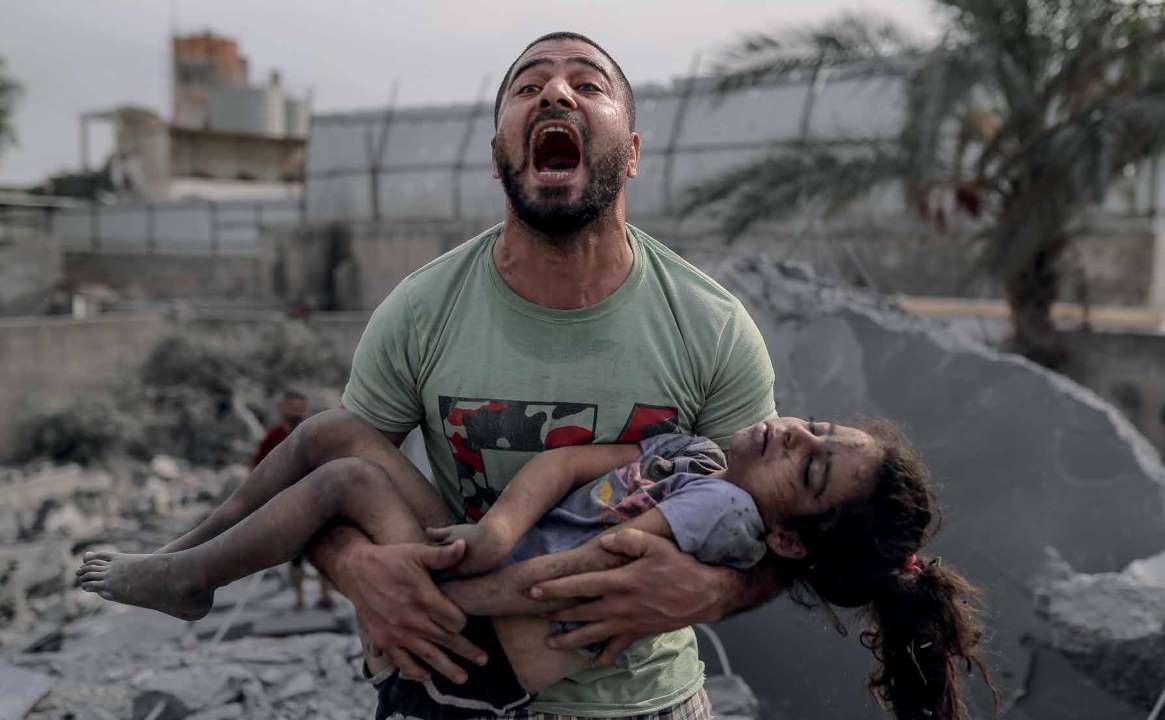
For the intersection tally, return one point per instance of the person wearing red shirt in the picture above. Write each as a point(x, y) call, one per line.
point(292, 411)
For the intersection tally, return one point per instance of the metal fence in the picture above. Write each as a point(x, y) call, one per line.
point(197, 228)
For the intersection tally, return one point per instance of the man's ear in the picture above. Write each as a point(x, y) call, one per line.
point(786, 543)
point(493, 158)
point(633, 162)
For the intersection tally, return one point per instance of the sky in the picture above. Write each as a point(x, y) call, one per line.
point(74, 56)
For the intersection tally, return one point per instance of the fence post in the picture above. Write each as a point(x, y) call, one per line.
point(214, 240)
point(673, 140)
point(94, 227)
point(151, 230)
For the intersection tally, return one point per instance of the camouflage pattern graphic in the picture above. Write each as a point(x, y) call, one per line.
point(475, 425)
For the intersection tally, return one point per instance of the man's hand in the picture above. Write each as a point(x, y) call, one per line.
point(404, 614)
point(662, 590)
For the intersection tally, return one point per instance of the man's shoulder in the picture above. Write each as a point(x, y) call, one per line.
point(688, 284)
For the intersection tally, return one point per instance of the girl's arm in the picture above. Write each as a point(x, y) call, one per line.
point(506, 591)
point(538, 486)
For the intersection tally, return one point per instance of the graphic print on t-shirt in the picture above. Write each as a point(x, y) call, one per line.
point(474, 425)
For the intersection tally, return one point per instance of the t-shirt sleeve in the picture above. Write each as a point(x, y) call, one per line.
point(671, 453)
point(741, 389)
point(383, 387)
point(716, 522)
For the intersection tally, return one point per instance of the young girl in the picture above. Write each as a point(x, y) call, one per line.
point(843, 511)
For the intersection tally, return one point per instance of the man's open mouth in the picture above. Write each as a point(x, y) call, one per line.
point(557, 151)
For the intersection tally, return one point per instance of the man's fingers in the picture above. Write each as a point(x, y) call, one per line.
point(443, 612)
point(437, 534)
point(592, 584)
point(442, 557)
point(583, 636)
point(585, 612)
point(466, 649)
point(631, 542)
point(437, 660)
point(407, 665)
point(615, 648)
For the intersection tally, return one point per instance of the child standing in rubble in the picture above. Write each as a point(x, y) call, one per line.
point(842, 511)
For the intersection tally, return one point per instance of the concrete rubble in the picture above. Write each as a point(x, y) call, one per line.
point(1026, 458)
point(1110, 625)
point(64, 653)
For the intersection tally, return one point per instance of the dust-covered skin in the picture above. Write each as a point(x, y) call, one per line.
point(149, 581)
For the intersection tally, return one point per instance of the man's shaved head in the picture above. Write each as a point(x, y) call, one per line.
point(620, 78)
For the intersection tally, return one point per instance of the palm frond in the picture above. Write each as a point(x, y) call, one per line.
point(783, 183)
point(874, 45)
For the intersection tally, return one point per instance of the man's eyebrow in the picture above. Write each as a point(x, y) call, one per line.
point(578, 60)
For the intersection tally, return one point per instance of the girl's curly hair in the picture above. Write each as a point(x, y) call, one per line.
point(923, 617)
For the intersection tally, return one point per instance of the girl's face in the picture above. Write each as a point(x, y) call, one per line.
point(793, 468)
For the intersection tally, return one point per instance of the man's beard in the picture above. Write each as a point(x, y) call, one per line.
point(548, 210)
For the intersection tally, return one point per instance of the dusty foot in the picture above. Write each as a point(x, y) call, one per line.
point(149, 581)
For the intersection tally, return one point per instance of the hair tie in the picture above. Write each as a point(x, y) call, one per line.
point(912, 565)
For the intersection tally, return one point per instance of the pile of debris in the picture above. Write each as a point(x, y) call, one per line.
point(50, 514)
point(1110, 625)
point(65, 653)
point(123, 662)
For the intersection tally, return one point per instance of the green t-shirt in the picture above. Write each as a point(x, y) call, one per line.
point(493, 379)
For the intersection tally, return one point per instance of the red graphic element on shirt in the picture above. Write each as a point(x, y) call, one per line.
point(567, 436)
point(473, 426)
point(648, 420)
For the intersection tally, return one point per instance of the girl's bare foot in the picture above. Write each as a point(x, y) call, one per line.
point(149, 581)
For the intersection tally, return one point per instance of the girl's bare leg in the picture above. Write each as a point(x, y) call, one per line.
point(183, 583)
point(324, 437)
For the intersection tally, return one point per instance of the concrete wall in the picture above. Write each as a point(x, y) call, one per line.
point(350, 266)
point(46, 362)
point(30, 267)
point(1112, 261)
point(218, 279)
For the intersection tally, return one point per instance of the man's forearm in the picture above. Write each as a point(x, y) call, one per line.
point(746, 589)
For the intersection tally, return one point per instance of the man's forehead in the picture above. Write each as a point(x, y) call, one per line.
point(561, 50)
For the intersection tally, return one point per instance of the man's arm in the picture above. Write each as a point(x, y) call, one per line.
point(660, 590)
point(401, 611)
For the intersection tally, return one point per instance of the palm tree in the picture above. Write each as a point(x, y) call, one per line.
point(9, 92)
point(1024, 112)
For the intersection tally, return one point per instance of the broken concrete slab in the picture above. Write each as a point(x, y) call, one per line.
point(1111, 627)
point(20, 689)
point(303, 683)
point(1026, 459)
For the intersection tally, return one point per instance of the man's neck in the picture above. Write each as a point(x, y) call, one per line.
point(565, 273)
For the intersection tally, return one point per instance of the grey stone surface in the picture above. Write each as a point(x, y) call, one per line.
point(1026, 459)
point(20, 689)
point(1110, 626)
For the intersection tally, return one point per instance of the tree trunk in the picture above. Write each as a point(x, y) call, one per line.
point(1030, 293)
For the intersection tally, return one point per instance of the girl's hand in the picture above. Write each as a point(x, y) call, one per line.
point(485, 545)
